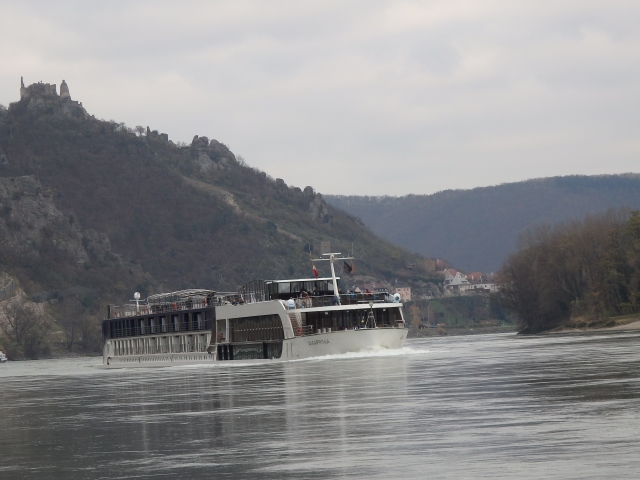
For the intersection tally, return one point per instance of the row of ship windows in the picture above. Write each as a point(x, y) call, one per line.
point(145, 326)
point(165, 359)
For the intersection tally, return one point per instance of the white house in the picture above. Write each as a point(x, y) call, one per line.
point(456, 283)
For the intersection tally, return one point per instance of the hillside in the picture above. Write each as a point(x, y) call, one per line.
point(91, 210)
point(476, 229)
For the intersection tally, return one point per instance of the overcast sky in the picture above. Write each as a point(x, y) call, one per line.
point(353, 97)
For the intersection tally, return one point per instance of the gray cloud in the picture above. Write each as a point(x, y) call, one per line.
point(376, 97)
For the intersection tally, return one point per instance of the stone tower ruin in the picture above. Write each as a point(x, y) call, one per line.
point(23, 89)
point(64, 90)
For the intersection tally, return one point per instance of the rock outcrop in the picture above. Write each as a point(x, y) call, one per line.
point(211, 155)
point(319, 210)
point(29, 218)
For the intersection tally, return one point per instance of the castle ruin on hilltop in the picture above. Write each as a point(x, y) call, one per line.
point(39, 95)
point(44, 89)
point(43, 98)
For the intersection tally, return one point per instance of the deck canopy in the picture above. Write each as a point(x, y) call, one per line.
point(263, 290)
point(180, 296)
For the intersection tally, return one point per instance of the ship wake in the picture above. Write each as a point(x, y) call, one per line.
point(367, 353)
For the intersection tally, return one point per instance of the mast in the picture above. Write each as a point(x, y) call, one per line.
point(331, 258)
point(336, 292)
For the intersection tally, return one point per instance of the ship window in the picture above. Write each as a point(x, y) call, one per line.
point(248, 351)
point(298, 287)
point(348, 319)
point(197, 321)
point(256, 329)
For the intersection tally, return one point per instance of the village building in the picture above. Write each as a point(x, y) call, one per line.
point(476, 283)
point(404, 292)
point(453, 280)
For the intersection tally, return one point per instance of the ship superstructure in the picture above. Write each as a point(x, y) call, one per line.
point(264, 320)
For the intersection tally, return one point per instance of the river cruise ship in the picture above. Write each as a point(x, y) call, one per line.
point(265, 320)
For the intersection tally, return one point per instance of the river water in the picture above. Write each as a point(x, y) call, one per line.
point(491, 406)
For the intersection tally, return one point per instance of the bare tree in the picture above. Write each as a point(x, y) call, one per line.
point(90, 333)
point(414, 314)
point(24, 324)
point(69, 318)
point(79, 324)
point(430, 314)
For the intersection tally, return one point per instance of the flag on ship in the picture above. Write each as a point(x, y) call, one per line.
point(315, 270)
point(346, 268)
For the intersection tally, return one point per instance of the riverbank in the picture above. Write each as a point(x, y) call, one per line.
point(581, 325)
point(457, 331)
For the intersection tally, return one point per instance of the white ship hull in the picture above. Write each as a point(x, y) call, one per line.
point(345, 341)
point(266, 321)
point(296, 348)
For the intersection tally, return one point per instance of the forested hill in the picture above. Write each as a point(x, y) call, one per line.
point(95, 209)
point(578, 273)
point(476, 229)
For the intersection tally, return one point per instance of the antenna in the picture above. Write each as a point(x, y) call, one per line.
point(136, 297)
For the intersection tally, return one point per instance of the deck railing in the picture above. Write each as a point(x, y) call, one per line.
point(157, 349)
point(304, 330)
point(345, 299)
point(126, 311)
point(157, 329)
point(151, 309)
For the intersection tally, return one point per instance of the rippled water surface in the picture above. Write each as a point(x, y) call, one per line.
point(497, 406)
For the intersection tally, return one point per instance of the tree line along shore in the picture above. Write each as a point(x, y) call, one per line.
point(577, 274)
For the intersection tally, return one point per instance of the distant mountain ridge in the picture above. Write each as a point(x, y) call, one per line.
point(476, 229)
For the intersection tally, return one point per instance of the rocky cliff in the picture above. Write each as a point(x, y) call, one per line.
point(29, 218)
